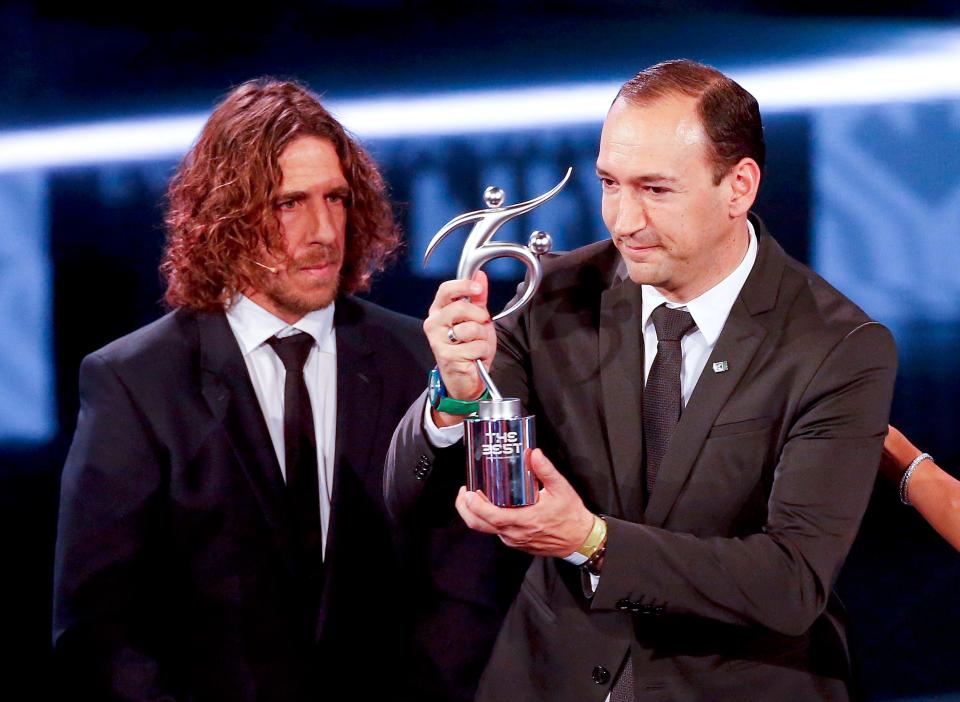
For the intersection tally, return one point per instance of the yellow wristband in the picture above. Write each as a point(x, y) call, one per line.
point(595, 539)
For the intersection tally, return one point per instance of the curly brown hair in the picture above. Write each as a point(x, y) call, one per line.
point(222, 216)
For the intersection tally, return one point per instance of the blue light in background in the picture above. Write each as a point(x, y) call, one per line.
point(27, 402)
point(887, 209)
point(447, 177)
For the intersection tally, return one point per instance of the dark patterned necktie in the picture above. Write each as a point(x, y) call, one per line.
point(662, 403)
point(662, 398)
point(300, 447)
point(622, 690)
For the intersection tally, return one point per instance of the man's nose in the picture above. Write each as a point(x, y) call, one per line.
point(631, 216)
point(323, 224)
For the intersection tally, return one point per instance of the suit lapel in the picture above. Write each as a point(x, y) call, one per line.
point(738, 343)
point(359, 391)
point(227, 388)
point(621, 380)
point(359, 394)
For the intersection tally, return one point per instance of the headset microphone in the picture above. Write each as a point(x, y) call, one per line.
point(269, 268)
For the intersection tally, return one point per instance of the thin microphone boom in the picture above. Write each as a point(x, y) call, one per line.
point(269, 268)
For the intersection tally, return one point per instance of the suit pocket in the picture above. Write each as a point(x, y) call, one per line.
point(537, 602)
point(743, 427)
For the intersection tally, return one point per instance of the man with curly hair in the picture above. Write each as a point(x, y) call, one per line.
point(222, 532)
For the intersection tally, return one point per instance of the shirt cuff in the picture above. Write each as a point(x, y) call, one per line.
point(578, 559)
point(440, 437)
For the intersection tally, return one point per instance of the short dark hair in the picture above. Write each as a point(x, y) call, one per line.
point(222, 198)
point(729, 114)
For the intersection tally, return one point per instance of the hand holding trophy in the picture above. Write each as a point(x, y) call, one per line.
point(498, 437)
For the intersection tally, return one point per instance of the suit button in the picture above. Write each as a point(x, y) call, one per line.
point(624, 605)
point(423, 468)
point(601, 675)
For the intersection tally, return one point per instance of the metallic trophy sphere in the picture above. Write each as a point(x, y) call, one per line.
point(540, 243)
point(494, 196)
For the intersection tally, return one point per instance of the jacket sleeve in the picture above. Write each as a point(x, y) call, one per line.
point(109, 614)
point(416, 472)
point(781, 577)
point(420, 480)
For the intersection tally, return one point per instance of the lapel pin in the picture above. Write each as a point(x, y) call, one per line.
point(720, 367)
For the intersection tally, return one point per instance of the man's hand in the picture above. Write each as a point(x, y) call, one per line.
point(462, 306)
point(556, 526)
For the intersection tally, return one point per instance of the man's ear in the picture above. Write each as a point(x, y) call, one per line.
point(744, 182)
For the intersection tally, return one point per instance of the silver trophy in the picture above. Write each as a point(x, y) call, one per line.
point(497, 439)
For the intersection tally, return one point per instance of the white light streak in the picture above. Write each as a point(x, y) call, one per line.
point(904, 74)
point(923, 67)
point(82, 144)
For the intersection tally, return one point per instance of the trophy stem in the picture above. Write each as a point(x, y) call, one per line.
point(488, 381)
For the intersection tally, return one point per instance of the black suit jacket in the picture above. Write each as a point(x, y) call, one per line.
point(176, 575)
point(721, 587)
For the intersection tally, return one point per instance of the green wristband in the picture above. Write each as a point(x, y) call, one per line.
point(442, 403)
point(451, 406)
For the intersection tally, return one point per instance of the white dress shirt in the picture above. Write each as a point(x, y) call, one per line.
point(709, 311)
point(252, 326)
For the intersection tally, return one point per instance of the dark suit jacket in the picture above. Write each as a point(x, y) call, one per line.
point(176, 575)
point(721, 588)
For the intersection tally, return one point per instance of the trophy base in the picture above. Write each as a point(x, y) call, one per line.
point(497, 459)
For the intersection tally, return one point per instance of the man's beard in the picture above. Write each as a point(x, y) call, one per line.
point(298, 299)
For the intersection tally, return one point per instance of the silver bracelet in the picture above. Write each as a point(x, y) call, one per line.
point(907, 473)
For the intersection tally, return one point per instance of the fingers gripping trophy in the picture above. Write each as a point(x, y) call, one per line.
point(496, 433)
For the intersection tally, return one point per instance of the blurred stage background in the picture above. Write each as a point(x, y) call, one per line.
point(862, 117)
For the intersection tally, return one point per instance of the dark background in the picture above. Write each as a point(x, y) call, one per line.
point(63, 66)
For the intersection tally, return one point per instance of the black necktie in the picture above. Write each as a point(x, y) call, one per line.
point(662, 399)
point(300, 443)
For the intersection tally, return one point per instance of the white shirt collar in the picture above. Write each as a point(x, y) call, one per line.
point(253, 325)
point(710, 309)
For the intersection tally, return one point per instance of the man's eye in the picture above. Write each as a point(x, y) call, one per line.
point(287, 204)
point(607, 182)
point(657, 190)
point(339, 198)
